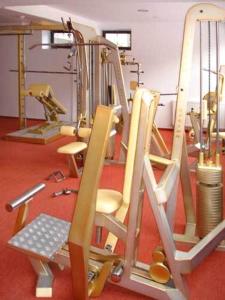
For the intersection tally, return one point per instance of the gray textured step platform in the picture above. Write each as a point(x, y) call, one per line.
point(43, 236)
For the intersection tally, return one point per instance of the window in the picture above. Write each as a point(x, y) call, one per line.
point(45, 39)
point(61, 38)
point(122, 38)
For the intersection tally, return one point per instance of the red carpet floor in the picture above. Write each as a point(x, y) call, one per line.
point(24, 165)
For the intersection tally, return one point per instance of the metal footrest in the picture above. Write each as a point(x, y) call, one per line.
point(43, 236)
point(44, 287)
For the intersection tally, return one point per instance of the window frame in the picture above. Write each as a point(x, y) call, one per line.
point(104, 32)
point(52, 32)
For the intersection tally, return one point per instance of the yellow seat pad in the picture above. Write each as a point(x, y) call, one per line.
point(221, 134)
point(108, 201)
point(72, 148)
point(84, 132)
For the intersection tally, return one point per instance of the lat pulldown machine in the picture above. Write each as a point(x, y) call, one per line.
point(209, 202)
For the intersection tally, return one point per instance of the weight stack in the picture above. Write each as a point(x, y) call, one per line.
point(209, 205)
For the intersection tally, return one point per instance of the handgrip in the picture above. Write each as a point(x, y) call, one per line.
point(24, 197)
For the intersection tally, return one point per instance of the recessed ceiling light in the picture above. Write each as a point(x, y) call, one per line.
point(144, 10)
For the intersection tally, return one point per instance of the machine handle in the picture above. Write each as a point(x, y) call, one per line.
point(24, 197)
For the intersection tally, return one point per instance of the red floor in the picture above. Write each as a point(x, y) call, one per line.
point(22, 166)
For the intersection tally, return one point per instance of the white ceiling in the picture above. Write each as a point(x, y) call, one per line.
point(106, 11)
point(103, 11)
point(8, 17)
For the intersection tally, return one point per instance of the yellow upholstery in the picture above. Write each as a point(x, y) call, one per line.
point(39, 90)
point(221, 135)
point(67, 130)
point(108, 201)
point(44, 94)
point(84, 132)
point(133, 85)
point(72, 148)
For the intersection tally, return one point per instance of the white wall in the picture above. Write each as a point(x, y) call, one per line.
point(8, 82)
point(157, 46)
point(36, 59)
point(159, 54)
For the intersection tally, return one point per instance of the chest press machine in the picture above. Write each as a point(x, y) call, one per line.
point(45, 238)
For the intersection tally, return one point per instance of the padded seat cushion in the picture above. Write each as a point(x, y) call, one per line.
point(72, 148)
point(84, 132)
point(108, 201)
point(221, 135)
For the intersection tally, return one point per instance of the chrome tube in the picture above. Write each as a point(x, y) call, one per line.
point(200, 94)
point(217, 89)
point(24, 197)
point(209, 88)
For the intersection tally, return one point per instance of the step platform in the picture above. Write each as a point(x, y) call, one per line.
point(27, 135)
point(44, 236)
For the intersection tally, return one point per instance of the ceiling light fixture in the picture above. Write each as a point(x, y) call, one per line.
point(143, 10)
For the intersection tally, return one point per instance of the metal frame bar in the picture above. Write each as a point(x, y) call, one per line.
point(83, 219)
point(199, 12)
point(114, 59)
point(21, 80)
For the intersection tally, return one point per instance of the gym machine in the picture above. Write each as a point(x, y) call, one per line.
point(92, 266)
point(54, 248)
point(209, 171)
point(164, 279)
point(52, 107)
point(22, 31)
point(42, 248)
point(209, 112)
point(108, 86)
